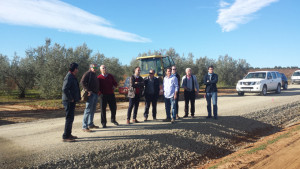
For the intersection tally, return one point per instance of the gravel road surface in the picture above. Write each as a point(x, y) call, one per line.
point(152, 144)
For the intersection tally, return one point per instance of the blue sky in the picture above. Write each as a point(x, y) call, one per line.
point(264, 32)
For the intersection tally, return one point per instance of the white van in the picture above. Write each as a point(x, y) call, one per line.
point(259, 82)
point(296, 77)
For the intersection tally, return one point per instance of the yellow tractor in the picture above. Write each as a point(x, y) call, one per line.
point(158, 63)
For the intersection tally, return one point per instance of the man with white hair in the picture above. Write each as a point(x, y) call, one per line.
point(189, 83)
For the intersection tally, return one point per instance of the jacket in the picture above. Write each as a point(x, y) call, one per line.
point(70, 89)
point(211, 85)
point(194, 80)
point(90, 82)
point(132, 86)
point(156, 86)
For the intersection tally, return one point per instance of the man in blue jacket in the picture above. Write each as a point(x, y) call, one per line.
point(211, 80)
point(70, 95)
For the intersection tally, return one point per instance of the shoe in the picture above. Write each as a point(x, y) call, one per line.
point(73, 137)
point(173, 121)
point(87, 130)
point(69, 140)
point(177, 117)
point(193, 116)
point(115, 123)
point(135, 121)
point(167, 120)
point(128, 122)
point(185, 116)
point(104, 126)
point(216, 118)
point(145, 119)
point(208, 117)
point(93, 127)
point(154, 118)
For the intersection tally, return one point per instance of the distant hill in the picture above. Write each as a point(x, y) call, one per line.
point(287, 71)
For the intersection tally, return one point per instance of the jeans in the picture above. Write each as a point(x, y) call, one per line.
point(150, 99)
point(189, 96)
point(214, 97)
point(176, 102)
point(90, 108)
point(170, 103)
point(70, 109)
point(111, 101)
point(133, 102)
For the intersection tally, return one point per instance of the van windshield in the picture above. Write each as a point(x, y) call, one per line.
point(260, 75)
point(296, 74)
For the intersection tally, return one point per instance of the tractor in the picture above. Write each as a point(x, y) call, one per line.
point(158, 63)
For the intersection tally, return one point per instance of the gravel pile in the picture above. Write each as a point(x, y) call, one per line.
point(185, 144)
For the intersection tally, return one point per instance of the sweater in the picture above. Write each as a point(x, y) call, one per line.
point(107, 84)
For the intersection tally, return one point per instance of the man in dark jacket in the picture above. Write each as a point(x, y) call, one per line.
point(90, 83)
point(135, 92)
point(151, 94)
point(211, 80)
point(107, 95)
point(174, 73)
point(70, 95)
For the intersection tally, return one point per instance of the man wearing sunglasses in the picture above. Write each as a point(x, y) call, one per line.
point(90, 83)
point(151, 94)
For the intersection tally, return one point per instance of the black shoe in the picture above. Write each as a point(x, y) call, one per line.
point(93, 127)
point(167, 120)
point(104, 126)
point(73, 137)
point(185, 116)
point(216, 118)
point(208, 117)
point(115, 123)
point(154, 118)
point(193, 116)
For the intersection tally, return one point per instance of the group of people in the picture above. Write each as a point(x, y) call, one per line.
point(103, 86)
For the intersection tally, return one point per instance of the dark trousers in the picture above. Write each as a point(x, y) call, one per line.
point(189, 96)
point(70, 109)
point(133, 102)
point(109, 99)
point(214, 97)
point(176, 103)
point(150, 99)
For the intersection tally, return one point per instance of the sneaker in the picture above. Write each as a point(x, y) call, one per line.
point(167, 120)
point(69, 140)
point(73, 137)
point(135, 121)
point(104, 126)
point(93, 127)
point(185, 116)
point(173, 121)
point(128, 122)
point(115, 123)
point(87, 130)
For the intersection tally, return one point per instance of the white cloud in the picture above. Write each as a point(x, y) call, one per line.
point(62, 16)
point(239, 12)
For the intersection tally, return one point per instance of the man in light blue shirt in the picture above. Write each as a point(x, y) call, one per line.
point(170, 93)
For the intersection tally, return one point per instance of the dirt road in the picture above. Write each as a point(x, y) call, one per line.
point(152, 144)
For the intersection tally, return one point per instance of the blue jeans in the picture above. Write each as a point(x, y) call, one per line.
point(170, 103)
point(90, 108)
point(214, 97)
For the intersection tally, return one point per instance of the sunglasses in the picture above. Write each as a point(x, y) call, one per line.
point(173, 69)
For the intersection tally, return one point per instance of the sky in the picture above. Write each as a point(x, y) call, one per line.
point(263, 32)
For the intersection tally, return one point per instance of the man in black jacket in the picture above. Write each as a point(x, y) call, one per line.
point(151, 94)
point(211, 80)
point(70, 95)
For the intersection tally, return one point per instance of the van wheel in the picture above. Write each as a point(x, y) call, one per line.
point(241, 93)
point(264, 91)
point(278, 90)
point(285, 86)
